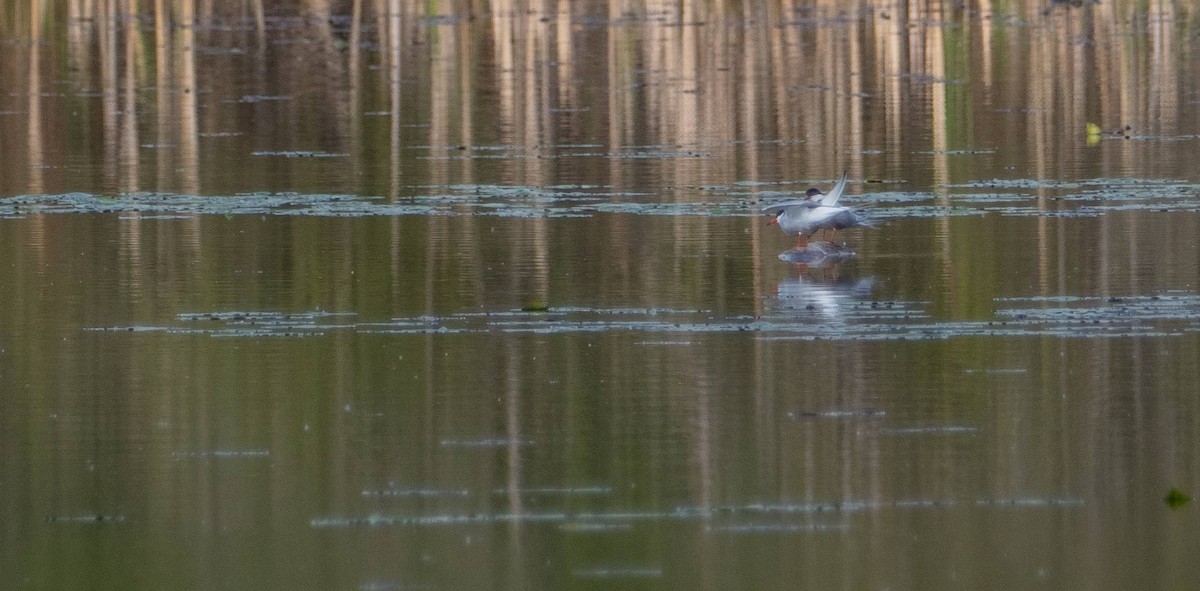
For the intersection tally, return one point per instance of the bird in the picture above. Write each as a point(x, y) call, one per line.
point(817, 211)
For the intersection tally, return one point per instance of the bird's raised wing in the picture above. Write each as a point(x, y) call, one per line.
point(831, 198)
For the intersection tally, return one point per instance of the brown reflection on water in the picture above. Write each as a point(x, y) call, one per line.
point(405, 97)
point(864, 86)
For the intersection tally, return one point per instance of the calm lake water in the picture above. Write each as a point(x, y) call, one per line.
point(396, 295)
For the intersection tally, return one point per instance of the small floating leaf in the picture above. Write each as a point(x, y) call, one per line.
point(535, 307)
point(1093, 129)
point(1176, 498)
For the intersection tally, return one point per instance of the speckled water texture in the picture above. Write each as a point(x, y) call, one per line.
point(389, 295)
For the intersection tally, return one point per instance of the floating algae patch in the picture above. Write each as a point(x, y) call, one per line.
point(481, 156)
point(722, 516)
point(1029, 502)
point(485, 442)
point(925, 211)
point(866, 413)
point(618, 572)
point(1176, 498)
point(961, 152)
point(1079, 198)
point(1174, 311)
point(1089, 199)
point(392, 492)
point(179, 204)
point(647, 154)
point(1023, 184)
point(802, 310)
point(584, 527)
point(384, 585)
point(163, 216)
point(985, 198)
point(300, 154)
point(560, 151)
point(895, 197)
point(777, 528)
point(557, 491)
point(443, 200)
point(933, 430)
point(221, 454)
point(261, 98)
point(86, 519)
point(245, 324)
point(267, 317)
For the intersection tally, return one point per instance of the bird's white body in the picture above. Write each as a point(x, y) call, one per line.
point(804, 217)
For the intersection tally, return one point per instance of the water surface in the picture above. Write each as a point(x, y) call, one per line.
point(480, 297)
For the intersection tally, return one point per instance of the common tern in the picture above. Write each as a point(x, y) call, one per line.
point(817, 211)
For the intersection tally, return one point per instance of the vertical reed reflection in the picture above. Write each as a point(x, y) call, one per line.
point(128, 154)
point(107, 21)
point(876, 78)
point(35, 145)
point(184, 88)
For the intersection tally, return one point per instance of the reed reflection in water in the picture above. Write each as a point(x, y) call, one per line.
point(675, 406)
point(866, 86)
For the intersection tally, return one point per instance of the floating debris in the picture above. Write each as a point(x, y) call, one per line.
point(1176, 498)
point(535, 307)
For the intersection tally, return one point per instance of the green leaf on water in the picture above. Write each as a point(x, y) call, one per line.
point(1093, 129)
point(536, 307)
point(1176, 498)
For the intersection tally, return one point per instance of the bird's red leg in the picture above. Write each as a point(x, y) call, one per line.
point(800, 244)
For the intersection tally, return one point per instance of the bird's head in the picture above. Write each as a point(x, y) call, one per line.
point(812, 193)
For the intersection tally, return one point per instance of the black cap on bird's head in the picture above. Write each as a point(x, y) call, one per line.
point(812, 192)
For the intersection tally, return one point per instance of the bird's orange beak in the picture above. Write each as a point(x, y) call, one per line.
point(774, 220)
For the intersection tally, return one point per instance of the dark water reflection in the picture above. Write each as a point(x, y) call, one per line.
point(480, 298)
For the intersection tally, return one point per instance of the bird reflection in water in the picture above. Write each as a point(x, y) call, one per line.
point(822, 292)
point(828, 298)
point(817, 255)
